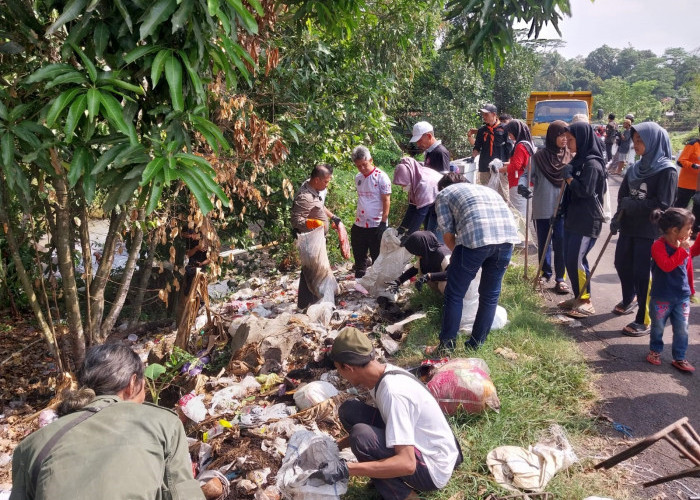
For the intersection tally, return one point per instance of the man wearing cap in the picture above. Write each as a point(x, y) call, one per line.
point(308, 213)
point(490, 143)
point(405, 443)
point(436, 155)
point(480, 230)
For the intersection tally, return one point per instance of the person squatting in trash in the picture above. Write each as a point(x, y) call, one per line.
point(648, 185)
point(672, 285)
point(108, 443)
point(421, 184)
point(308, 213)
point(433, 262)
point(405, 443)
point(373, 202)
point(583, 213)
point(480, 230)
point(547, 183)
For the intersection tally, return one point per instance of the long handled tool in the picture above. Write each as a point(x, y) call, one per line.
point(527, 219)
point(581, 290)
point(557, 208)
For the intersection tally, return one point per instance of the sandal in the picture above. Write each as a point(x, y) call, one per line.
point(654, 358)
point(561, 288)
point(635, 329)
point(621, 309)
point(583, 311)
point(569, 303)
point(683, 365)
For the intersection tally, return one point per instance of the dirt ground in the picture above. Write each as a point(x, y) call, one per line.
point(632, 392)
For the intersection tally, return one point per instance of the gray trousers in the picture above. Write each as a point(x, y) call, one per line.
point(367, 441)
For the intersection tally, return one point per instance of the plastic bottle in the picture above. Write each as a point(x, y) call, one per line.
point(216, 430)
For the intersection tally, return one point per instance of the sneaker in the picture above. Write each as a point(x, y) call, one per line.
point(654, 358)
point(683, 365)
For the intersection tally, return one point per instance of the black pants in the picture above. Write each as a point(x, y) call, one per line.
point(683, 197)
point(305, 296)
point(633, 266)
point(608, 150)
point(363, 240)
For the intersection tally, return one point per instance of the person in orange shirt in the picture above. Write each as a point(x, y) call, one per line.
point(689, 181)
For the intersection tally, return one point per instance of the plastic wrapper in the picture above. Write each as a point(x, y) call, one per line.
point(193, 407)
point(464, 383)
point(390, 263)
point(315, 265)
point(47, 416)
point(306, 451)
point(227, 399)
point(313, 393)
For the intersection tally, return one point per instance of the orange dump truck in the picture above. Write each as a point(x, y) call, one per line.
point(545, 107)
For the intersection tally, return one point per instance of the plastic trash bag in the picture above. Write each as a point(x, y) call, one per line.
point(390, 264)
point(516, 468)
point(306, 451)
point(465, 383)
point(314, 263)
point(314, 393)
point(470, 304)
point(226, 400)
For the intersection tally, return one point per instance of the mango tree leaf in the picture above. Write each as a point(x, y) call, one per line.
point(246, 18)
point(155, 15)
point(156, 191)
point(257, 6)
point(89, 187)
point(101, 38)
point(93, 103)
point(152, 169)
point(194, 77)
point(49, 73)
point(73, 9)
point(173, 74)
point(125, 14)
point(157, 66)
point(182, 15)
point(139, 52)
point(3, 111)
point(77, 166)
point(24, 133)
point(115, 115)
point(108, 157)
point(197, 189)
point(76, 111)
point(59, 104)
point(8, 149)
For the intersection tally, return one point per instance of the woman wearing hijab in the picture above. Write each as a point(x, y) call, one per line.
point(648, 184)
point(547, 182)
point(519, 132)
point(433, 260)
point(583, 212)
point(421, 184)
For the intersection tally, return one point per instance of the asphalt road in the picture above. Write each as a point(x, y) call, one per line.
point(633, 392)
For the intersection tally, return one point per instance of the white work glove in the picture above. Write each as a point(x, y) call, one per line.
point(496, 165)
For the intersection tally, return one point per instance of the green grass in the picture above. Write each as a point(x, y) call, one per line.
point(548, 383)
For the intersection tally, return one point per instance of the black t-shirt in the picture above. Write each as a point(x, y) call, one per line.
point(491, 143)
point(438, 159)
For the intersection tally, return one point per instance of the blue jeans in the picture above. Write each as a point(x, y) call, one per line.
point(556, 245)
point(677, 310)
point(415, 217)
point(464, 264)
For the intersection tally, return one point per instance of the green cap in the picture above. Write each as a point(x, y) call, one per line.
point(352, 347)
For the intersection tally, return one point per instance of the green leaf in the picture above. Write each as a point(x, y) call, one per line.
point(120, 194)
point(210, 184)
point(8, 149)
point(24, 133)
point(19, 111)
point(76, 111)
point(173, 74)
point(139, 52)
point(3, 111)
point(258, 7)
point(125, 14)
point(154, 17)
point(101, 37)
point(212, 7)
point(77, 166)
point(87, 63)
point(207, 128)
point(108, 157)
point(154, 370)
point(157, 66)
point(49, 72)
point(156, 191)
point(75, 77)
point(246, 18)
point(182, 15)
point(73, 9)
point(115, 114)
point(136, 89)
point(194, 77)
point(152, 169)
point(93, 103)
point(63, 100)
point(89, 187)
point(197, 189)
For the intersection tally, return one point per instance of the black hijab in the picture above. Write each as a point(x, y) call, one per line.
point(587, 145)
point(552, 158)
point(425, 245)
point(521, 133)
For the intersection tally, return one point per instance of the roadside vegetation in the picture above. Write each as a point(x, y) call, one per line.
point(549, 383)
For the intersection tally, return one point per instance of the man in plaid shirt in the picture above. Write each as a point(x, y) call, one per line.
point(480, 230)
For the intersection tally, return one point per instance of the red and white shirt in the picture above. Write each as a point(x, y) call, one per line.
point(370, 189)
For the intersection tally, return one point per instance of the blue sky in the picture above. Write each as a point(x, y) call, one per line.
point(644, 24)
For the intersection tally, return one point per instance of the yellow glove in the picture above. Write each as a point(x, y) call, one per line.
point(313, 223)
point(695, 299)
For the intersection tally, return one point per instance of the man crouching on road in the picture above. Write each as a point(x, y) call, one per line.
point(405, 443)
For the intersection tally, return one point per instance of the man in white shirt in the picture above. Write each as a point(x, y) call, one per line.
point(405, 444)
point(373, 201)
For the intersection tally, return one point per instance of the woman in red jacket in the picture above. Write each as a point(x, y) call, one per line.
point(517, 131)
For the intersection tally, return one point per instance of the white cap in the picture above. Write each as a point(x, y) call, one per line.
point(419, 129)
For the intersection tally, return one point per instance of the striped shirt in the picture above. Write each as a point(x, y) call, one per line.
point(476, 215)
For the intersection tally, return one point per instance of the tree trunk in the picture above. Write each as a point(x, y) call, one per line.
point(99, 283)
point(26, 282)
point(116, 308)
point(65, 249)
point(145, 277)
point(87, 261)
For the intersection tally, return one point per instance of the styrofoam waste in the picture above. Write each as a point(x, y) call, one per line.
point(314, 393)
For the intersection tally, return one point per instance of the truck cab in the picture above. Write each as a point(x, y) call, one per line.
point(545, 107)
